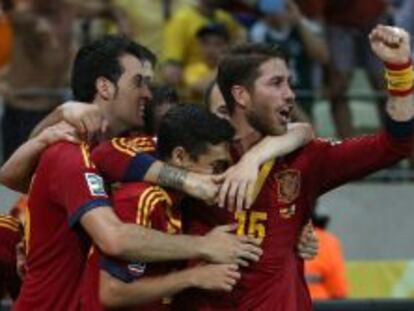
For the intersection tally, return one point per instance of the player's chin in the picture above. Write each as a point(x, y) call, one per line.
point(138, 121)
point(278, 129)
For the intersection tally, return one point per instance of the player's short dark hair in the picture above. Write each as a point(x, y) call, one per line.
point(207, 95)
point(161, 95)
point(193, 128)
point(240, 66)
point(101, 59)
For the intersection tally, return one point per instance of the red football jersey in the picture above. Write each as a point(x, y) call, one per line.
point(288, 192)
point(10, 236)
point(65, 187)
point(124, 158)
point(146, 205)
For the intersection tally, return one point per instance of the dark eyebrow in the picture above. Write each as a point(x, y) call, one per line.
point(277, 78)
point(139, 79)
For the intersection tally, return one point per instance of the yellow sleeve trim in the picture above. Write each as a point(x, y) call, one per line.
point(9, 226)
point(86, 155)
point(132, 146)
point(27, 230)
point(10, 220)
point(264, 172)
point(148, 201)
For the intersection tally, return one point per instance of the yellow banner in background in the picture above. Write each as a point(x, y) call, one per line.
point(381, 279)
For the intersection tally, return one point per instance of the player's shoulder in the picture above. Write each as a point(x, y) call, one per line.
point(66, 154)
point(64, 148)
point(9, 223)
point(133, 145)
point(141, 191)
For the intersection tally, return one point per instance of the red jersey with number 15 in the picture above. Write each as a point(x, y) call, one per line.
point(288, 189)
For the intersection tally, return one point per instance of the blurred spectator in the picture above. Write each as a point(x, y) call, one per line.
point(284, 24)
point(325, 274)
point(213, 40)
point(10, 236)
point(243, 10)
point(348, 24)
point(163, 99)
point(5, 35)
point(41, 54)
point(403, 17)
point(181, 47)
point(312, 9)
point(99, 17)
point(43, 46)
point(147, 24)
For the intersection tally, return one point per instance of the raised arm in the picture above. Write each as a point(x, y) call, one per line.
point(115, 293)
point(240, 179)
point(337, 163)
point(392, 46)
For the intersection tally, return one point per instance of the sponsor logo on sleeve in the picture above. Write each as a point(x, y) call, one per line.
point(95, 184)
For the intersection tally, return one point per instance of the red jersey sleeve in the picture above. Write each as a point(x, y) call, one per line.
point(145, 205)
point(124, 159)
point(74, 181)
point(10, 236)
point(336, 163)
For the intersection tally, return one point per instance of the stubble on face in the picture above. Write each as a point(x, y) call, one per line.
point(133, 93)
point(271, 99)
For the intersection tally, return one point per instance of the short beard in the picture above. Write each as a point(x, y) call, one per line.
point(260, 125)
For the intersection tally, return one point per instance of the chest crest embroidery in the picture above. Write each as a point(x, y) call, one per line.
point(288, 189)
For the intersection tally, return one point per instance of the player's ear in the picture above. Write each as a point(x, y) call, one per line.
point(105, 88)
point(179, 156)
point(241, 95)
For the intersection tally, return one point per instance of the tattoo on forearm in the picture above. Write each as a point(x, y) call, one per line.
point(172, 177)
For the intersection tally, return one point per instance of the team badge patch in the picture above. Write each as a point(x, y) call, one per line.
point(95, 184)
point(288, 185)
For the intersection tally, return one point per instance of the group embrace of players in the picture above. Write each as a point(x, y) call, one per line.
point(210, 215)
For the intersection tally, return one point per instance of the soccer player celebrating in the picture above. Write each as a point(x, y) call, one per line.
point(68, 205)
point(189, 138)
point(255, 82)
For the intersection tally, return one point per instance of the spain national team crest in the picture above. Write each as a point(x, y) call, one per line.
point(288, 185)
